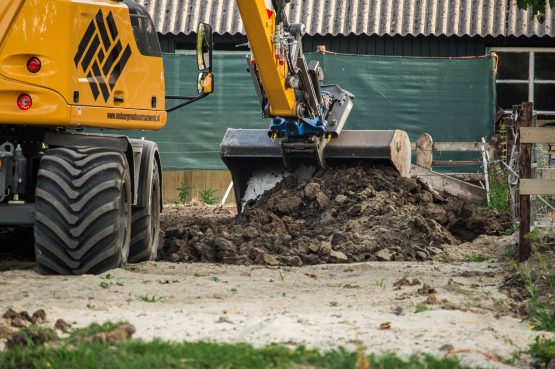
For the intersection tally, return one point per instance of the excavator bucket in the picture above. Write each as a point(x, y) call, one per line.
point(256, 161)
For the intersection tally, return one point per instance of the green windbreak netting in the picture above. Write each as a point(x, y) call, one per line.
point(452, 99)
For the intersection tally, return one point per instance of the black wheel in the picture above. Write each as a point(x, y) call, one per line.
point(145, 229)
point(82, 211)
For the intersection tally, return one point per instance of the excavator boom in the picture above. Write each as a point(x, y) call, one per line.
point(261, 25)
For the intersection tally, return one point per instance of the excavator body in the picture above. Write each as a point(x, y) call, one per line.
point(97, 59)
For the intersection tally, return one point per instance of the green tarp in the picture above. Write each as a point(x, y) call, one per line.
point(452, 99)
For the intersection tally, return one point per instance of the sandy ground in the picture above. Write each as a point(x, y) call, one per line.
point(322, 306)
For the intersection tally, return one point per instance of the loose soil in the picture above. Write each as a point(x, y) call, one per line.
point(341, 215)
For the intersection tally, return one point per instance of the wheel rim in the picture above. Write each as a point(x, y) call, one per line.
point(124, 216)
point(154, 216)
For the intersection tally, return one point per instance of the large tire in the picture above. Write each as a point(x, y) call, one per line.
point(82, 211)
point(145, 230)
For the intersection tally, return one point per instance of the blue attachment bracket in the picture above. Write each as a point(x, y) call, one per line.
point(290, 128)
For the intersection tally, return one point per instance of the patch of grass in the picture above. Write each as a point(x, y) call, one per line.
point(78, 335)
point(499, 196)
point(147, 298)
point(74, 352)
point(334, 303)
point(543, 351)
point(184, 193)
point(475, 258)
point(208, 196)
point(420, 308)
point(538, 277)
point(380, 283)
point(105, 284)
point(542, 318)
point(31, 336)
point(510, 231)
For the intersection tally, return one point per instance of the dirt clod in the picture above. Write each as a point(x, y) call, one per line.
point(426, 290)
point(28, 337)
point(62, 325)
point(406, 282)
point(341, 215)
point(121, 333)
point(38, 317)
point(5, 332)
point(221, 295)
point(23, 318)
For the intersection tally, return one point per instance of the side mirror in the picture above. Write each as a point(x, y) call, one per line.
point(205, 83)
point(205, 80)
point(204, 47)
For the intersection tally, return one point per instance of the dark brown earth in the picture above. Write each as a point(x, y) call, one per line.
point(16, 248)
point(349, 214)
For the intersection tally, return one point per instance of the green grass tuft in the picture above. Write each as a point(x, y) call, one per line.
point(543, 351)
point(475, 258)
point(184, 193)
point(499, 196)
point(79, 334)
point(147, 298)
point(75, 352)
point(420, 308)
point(208, 196)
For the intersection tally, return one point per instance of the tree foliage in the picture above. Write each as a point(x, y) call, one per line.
point(537, 6)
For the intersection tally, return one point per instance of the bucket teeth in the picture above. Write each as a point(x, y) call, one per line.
point(292, 150)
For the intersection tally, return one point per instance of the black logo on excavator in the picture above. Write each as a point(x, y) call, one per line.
point(101, 55)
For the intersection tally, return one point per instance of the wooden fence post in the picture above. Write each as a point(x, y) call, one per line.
point(524, 172)
point(424, 154)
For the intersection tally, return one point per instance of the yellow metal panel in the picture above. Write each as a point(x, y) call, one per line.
point(63, 33)
point(260, 29)
point(99, 117)
point(49, 107)
point(8, 11)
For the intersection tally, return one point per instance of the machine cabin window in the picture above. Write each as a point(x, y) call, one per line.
point(527, 75)
point(143, 30)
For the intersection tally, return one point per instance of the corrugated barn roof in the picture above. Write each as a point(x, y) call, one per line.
point(381, 17)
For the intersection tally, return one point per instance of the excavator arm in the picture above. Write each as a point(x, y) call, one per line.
point(267, 62)
point(307, 118)
point(287, 86)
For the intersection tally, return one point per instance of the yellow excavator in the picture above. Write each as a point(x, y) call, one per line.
point(67, 67)
point(307, 118)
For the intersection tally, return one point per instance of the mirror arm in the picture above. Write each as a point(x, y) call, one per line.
point(190, 100)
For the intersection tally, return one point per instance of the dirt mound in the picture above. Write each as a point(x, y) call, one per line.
point(341, 215)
